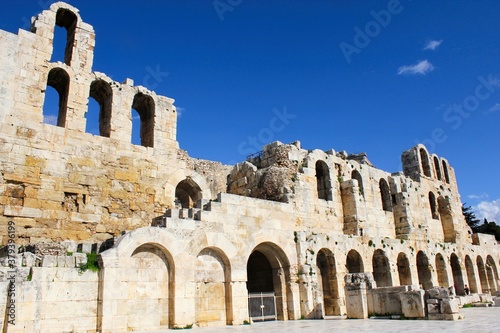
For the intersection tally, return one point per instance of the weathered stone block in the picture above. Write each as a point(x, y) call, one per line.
point(450, 306)
point(412, 304)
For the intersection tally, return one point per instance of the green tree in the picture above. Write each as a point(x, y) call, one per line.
point(470, 218)
point(490, 228)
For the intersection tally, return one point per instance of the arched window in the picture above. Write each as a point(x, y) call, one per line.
point(424, 159)
point(59, 80)
point(187, 193)
point(432, 204)
point(324, 186)
point(385, 195)
point(356, 175)
point(101, 92)
point(354, 262)
point(445, 171)
point(145, 107)
point(437, 167)
point(381, 269)
point(65, 19)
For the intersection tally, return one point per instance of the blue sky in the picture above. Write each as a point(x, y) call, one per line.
point(361, 76)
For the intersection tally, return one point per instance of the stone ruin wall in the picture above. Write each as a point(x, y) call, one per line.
point(58, 182)
point(301, 208)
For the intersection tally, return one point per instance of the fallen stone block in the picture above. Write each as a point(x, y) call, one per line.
point(450, 306)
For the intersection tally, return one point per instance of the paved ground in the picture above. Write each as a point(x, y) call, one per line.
point(476, 320)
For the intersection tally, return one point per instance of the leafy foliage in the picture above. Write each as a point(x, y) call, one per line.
point(91, 265)
point(470, 217)
point(490, 228)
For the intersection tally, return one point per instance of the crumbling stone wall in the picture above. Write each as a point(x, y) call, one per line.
point(315, 216)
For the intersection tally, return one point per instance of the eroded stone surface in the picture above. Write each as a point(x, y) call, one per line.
point(184, 241)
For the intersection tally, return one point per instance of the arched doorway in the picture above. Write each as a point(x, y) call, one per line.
point(268, 283)
point(442, 274)
point(327, 282)
point(354, 263)
point(381, 269)
point(482, 275)
point(492, 274)
point(187, 193)
point(458, 279)
point(213, 288)
point(404, 271)
point(149, 260)
point(423, 269)
point(471, 276)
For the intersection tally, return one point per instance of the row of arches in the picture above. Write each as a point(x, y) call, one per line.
point(324, 186)
point(150, 284)
point(382, 273)
point(152, 271)
point(437, 170)
point(101, 97)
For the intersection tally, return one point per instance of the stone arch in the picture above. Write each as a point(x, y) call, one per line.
point(354, 262)
point(445, 172)
point(458, 279)
point(327, 282)
point(482, 275)
point(492, 274)
point(213, 293)
point(356, 175)
point(102, 93)
point(151, 259)
point(67, 19)
point(437, 167)
point(381, 269)
point(385, 195)
point(145, 106)
point(424, 270)
point(157, 292)
point(268, 270)
point(175, 178)
point(446, 219)
point(471, 276)
point(442, 274)
point(404, 270)
point(187, 193)
point(58, 79)
point(424, 161)
point(432, 205)
point(323, 181)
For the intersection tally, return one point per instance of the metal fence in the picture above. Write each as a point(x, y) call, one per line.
point(262, 306)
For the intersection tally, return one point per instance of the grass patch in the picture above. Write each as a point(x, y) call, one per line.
point(91, 265)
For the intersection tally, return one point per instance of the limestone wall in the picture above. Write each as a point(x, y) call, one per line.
point(54, 300)
point(308, 217)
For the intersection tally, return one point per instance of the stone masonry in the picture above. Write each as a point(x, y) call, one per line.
point(184, 241)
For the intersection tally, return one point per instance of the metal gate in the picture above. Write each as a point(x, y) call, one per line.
point(262, 306)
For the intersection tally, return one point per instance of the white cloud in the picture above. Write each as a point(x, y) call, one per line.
point(180, 111)
point(489, 210)
point(421, 68)
point(477, 197)
point(432, 44)
point(50, 119)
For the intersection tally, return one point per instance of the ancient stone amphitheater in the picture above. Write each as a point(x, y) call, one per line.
point(287, 234)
